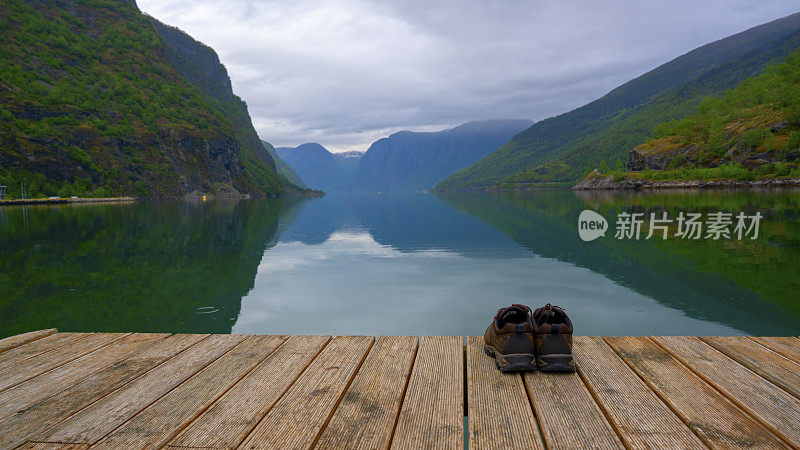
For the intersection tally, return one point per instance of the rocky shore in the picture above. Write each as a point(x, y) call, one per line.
point(596, 181)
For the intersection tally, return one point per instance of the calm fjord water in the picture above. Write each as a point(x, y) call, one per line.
point(395, 264)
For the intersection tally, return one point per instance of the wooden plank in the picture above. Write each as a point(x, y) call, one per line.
point(51, 446)
point(231, 418)
point(774, 367)
point(22, 339)
point(159, 422)
point(35, 348)
point(15, 429)
point(789, 347)
point(640, 418)
point(500, 414)
point(714, 418)
point(567, 414)
point(366, 415)
point(34, 366)
point(22, 395)
point(299, 416)
point(774, 407)
point(92, 423)
point(432, 415)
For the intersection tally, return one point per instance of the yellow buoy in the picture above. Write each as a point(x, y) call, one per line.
point(204, 198)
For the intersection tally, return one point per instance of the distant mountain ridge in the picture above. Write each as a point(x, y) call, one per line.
point(318, 167)
point(413, 161)
point(561, 148)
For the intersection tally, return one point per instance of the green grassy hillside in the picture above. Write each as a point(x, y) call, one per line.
point(750, 132)
point(95, 100)
point(561, 149)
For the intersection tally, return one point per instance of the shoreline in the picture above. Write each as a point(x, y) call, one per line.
point(62, 201)
point(607, 182)
point(83, 200)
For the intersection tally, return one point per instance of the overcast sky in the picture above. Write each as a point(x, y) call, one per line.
point(347, 72)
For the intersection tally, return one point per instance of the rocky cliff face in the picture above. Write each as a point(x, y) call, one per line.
point(196, 61)
point(97, 99)
point(200, 64)
point(674, 152)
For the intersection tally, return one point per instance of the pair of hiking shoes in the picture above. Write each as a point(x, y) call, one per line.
point(520, 340)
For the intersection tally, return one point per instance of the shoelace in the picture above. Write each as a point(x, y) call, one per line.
point(549, 314)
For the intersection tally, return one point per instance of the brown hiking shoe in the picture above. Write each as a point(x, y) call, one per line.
point(553, 339)
point(509, 339)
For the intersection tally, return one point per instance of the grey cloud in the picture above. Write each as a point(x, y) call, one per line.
point(346, 72)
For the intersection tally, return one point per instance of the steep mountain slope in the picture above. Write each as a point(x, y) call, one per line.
point(561, 148)
point(99, 99)
point(410, 161)
point(751, 132)
point(283, 169)
point(319, 168)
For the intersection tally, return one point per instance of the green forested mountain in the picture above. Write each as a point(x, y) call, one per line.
point(562, 148)
point(752, 131)
point(99, 99)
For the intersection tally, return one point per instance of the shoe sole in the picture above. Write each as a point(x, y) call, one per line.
point(556, 363)
point(515, 362)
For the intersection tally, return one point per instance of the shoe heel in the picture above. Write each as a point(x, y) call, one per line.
point(557, 363)
point(519, 363)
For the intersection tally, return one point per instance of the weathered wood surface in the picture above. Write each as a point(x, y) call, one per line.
point(366, 415)
point(154, 426)
point(715, 419)
point(226, 391)
point(568, 416)
point(22, 339)
point(775, 408)
point(761, 360)
point(498, 406)
point(300, 415)
point(18, 397)
point(640, 418)
point(786, 346)
point(432, 415)
point(21, 353)
point(52, 410)
point(41, 363)
point(231, 418)
point(92, 423)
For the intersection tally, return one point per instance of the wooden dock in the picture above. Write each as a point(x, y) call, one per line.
point(134, 390)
